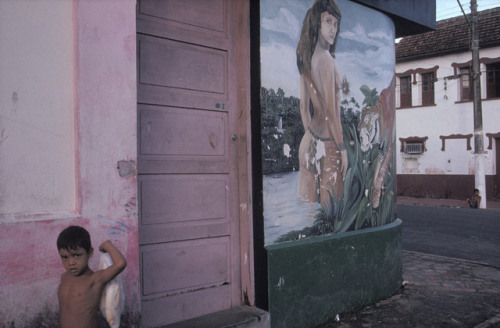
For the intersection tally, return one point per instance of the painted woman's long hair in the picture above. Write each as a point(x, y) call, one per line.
point(310, 31)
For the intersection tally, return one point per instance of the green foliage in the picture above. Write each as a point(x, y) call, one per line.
point(350, 111)
point(354, 210)
point(276, 106)
point(341, 213)
point(296, 234)
point(371, 95)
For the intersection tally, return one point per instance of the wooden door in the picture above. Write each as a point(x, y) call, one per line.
point(405, 83)
point(428, 89)
point(188, 98)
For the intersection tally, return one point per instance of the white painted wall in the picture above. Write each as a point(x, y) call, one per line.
point(447, 117)
point(37, 106)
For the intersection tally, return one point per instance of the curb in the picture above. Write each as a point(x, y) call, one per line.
point(452, 259)
point(493, 322)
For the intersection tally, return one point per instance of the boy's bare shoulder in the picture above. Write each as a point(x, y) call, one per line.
point(64, 277)
point(86, 279)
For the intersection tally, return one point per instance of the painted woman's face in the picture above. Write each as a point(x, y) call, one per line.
point(329, 27)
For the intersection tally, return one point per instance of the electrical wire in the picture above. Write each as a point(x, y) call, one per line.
point(454, 11)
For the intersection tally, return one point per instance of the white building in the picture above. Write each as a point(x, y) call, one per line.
point(434, 109)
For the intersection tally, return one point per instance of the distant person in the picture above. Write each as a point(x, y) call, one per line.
point(81, 288)
point(474, 201)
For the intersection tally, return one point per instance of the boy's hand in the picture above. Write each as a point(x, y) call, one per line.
point(119, 262)
point(105, 246)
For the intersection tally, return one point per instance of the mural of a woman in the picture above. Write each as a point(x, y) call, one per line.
point(322, 154)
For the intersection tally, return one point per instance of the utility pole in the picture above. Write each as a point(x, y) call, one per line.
point(480, 181)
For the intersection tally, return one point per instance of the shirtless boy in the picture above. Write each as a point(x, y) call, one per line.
point(81, 288)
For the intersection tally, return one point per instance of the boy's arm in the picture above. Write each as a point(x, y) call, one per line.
point(119, 262)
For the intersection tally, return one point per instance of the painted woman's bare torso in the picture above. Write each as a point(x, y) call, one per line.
point(324, 78)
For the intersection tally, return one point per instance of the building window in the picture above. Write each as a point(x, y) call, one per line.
point(428, 89)
point(493, 80)
point(405, 86)
point(465, 84)
point(413, 145)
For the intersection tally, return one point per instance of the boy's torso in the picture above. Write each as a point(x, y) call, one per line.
point(79, 298)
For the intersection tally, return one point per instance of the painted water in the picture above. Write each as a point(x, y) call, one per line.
point(283, 210)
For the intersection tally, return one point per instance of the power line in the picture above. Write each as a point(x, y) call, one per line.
point(454, 11)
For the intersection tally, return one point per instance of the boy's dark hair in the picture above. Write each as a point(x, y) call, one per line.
point(73, 237)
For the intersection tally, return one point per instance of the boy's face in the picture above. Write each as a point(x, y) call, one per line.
point(75, 261)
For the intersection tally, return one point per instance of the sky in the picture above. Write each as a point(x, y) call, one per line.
point(450, 8)
point(365, 62)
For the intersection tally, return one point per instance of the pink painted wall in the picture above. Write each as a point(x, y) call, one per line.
point(106, 187)
point(107, 127)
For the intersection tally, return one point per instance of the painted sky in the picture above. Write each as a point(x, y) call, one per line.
point(364, 53)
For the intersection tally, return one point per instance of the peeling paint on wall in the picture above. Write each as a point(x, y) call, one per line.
point(434, 170)
point(410, 165)
point(126, 169)
point(90, 181)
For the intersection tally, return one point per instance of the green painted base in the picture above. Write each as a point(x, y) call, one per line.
point(314, 279)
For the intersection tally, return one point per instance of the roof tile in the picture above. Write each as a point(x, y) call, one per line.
point(451, 35)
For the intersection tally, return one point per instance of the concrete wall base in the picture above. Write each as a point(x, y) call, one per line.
point(314, 279)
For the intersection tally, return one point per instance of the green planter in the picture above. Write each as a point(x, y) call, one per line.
point(314, 279)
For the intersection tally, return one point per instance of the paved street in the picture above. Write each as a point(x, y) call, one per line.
point(460, 233)
point(451, 271)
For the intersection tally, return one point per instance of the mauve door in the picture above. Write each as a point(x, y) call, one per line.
point(188, 187)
